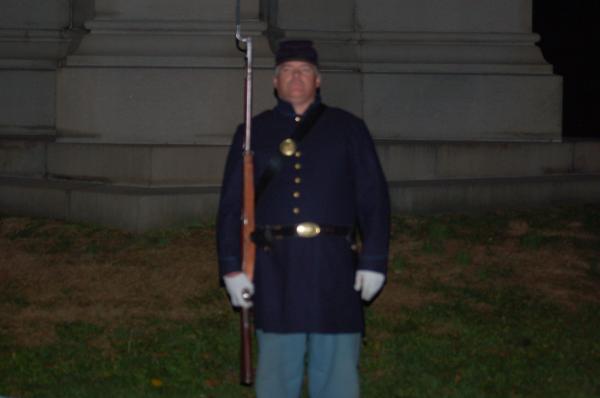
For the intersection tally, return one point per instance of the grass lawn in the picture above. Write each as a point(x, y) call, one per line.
point(501, 304)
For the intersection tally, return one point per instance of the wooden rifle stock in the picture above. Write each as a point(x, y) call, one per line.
point(248, 260)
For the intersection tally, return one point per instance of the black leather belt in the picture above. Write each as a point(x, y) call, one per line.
point(264, 234)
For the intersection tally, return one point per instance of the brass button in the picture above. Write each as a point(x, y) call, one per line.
point(296, 210)
point(297, 119)
point(287, 147)
point(296, 194)
point(298, 154)
point(297, 166)
point(297, 180)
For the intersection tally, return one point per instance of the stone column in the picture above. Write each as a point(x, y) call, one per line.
point(432, 69)
point(146, 107)
point(34, 37)
point(159, 72)
point(31, 43)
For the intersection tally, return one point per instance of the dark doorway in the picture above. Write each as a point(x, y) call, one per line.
point(570, 40)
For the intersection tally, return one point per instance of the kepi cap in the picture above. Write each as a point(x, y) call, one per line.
point(296, 50)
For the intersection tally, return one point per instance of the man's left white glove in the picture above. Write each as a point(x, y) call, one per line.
point(368, 283)
point(237, 286)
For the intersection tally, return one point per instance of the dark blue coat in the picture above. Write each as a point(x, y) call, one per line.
point(306, 284)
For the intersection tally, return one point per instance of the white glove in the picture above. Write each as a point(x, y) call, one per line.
point(236, 286)
point(370, 282)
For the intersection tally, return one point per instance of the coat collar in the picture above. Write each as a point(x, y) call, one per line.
point(286, 109)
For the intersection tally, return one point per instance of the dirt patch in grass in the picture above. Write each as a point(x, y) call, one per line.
point(54, 273)
point(108, 278)
point(555, 263)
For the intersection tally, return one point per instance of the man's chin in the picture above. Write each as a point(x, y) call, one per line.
point(296, 96)
point(297, 92)
point(298, 99)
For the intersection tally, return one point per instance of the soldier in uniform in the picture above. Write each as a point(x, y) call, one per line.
point(319, 185)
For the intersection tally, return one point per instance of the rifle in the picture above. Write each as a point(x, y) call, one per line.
point(248, 223)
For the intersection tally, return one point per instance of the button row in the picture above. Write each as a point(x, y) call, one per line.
point(297, 179)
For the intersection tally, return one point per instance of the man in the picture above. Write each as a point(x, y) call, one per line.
point(324, 185)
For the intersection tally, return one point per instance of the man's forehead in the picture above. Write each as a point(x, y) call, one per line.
point(296, 64)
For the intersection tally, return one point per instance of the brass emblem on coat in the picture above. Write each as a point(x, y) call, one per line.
point(287, 147)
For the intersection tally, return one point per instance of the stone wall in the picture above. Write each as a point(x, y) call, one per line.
point(120, 111)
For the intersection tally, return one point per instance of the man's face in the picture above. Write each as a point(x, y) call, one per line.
point(297, 82)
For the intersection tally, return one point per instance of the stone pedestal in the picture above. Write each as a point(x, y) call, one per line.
point(160, 72)
point(430, 69)
point(120, 112)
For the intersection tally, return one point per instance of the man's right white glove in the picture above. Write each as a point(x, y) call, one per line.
point(236, 285)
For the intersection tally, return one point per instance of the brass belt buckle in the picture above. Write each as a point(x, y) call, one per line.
point(308, 229)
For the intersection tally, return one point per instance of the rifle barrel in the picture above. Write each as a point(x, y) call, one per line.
point(248, 223)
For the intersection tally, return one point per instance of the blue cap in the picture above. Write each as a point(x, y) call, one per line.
point(296, 50)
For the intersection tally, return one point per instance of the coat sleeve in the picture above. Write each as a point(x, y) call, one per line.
point(372, 201)
point(230, 209)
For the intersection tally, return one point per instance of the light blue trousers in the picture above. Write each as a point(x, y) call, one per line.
point(332, 364)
